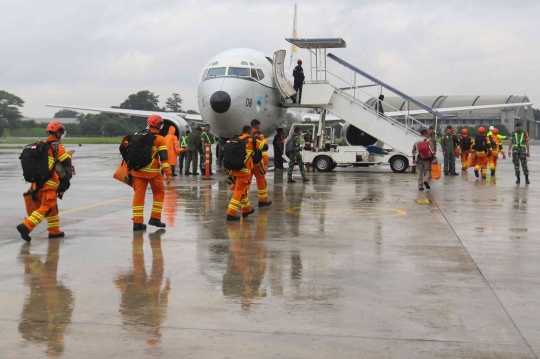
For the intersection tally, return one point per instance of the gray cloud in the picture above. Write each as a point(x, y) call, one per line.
point(99, 52)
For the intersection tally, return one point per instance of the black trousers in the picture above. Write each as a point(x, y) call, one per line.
point(298, 89)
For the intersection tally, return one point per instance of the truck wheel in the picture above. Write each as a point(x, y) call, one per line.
point(399, 164)
point(333, 167)
point(323, 164)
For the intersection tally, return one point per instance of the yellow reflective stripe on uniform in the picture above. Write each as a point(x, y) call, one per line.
point(246, 170)
point(52, 184)
point(63, 157)
point(165, 165)
point(261, 145)
point(162, 148)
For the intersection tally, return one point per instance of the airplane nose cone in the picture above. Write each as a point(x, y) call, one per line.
point(220, 101)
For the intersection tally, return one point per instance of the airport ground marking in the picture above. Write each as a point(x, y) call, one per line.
point(92, 205)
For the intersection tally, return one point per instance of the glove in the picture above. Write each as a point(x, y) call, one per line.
point(230, 179)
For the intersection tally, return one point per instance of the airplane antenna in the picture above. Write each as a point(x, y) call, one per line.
point(294, 48)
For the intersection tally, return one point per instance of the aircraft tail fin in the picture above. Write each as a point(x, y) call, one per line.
point(294, 48)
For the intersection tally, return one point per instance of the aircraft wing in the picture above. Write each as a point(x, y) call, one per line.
point(457, 109)
point(125, 112)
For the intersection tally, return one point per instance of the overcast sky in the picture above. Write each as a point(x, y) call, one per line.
point(99, 52)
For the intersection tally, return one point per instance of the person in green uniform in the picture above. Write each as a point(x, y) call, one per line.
point(447, 144)
point(182, 156)
point(519, 148)
point(296, 158)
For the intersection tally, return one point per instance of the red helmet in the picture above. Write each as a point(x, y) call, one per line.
point(299, 61)
point(495, 131)
point(55, 126)
point(155, 121)
point(481, 130)
point(464, 131)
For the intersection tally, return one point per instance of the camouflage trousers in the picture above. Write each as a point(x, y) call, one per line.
point(298, 162)
point(520, 154)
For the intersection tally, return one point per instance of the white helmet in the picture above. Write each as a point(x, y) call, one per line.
point(491, 128)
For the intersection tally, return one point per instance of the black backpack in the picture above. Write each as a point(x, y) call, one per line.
point(136, 149)
point(480, 143)
point(466, 143)
point(234, 153)
point(35, 162)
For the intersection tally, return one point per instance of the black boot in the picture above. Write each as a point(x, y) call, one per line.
point(25, 233)
point(173, 170)
point(426, 184)
point(290, 180)
point(518, 180)
point(493, 172)
point(263, 204)
point(156, 222)
point(527, 179)
point(305, 180)
point(248, 213)
point(233, 218)
point(139, 227)
point(58, 235)
point(476, 173)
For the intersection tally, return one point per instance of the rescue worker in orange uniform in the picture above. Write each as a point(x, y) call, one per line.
point(260, 169)
point(242, 180)
point(151, 174)
point(481, 148)
point(173, 149)
point(47, 193)
point(465, 145)
point(497, 148)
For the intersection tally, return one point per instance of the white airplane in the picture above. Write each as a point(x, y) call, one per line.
point(237, 86)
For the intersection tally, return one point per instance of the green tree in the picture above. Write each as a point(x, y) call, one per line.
point(65, 113)
point(174, 103)
point(192, 112)
point(10, 115)
point(142, 100)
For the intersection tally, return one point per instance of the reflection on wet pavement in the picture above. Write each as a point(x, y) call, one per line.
point(352, 265)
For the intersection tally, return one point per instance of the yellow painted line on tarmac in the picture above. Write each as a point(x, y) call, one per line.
point(93, 205)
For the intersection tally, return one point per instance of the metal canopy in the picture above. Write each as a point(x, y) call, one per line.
point(323, 43)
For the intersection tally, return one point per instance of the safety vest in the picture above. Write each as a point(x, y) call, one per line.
point(519, 142)
point(184, 141)
point(208, 140)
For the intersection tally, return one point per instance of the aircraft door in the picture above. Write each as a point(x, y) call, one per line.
point(278, 68)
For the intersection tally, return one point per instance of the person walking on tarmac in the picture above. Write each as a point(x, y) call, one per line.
point(241, 179)
point(182, 155)
point(448, 147)
point(519, 147)
point(481, 147)
point(298, 75)
point(206, 139)
point(41, 199)
point(295, 158)
point(465, 144)
point(495, 150)
point(433, 138)
point(151, 175)
point(260, 164)
point(278, 149)
point(173, 149)
point(193, 142)
point(425, 151)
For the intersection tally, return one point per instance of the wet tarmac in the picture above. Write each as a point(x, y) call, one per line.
point(354, 264)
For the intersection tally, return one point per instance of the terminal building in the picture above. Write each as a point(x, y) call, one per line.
point(507, 116)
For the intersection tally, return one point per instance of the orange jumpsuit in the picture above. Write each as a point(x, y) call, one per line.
point(495, 153)
point(151, 174)
point(464, 153)
point(173, 148)
point(46, 206)
point(258, 169)
point(242, 180)
point(481, 158)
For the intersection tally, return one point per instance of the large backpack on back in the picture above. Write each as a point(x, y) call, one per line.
point(466, 143)
point(423, 150)
point(234, 153)
point(290, 146)
point(35, 162)
point(136, 149)
point(480, 143)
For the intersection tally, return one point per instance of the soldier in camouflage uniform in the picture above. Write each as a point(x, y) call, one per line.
point(296, 158)
point(519, 148)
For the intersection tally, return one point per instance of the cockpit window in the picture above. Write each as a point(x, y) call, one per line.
point(244, 63)
point(214, 64)
point(252, 64)
point(204, 74)
point(238, 71)
point(216, 71)
point(254, 74)
point(260, 73)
